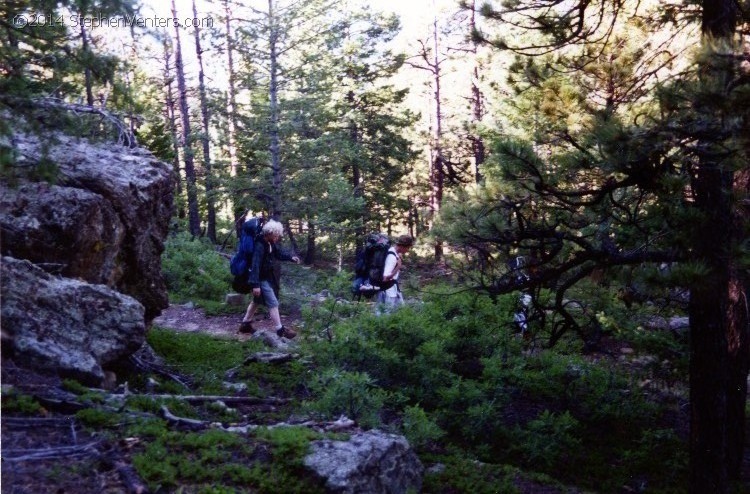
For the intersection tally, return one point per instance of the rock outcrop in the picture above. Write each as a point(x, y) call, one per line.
point(92, 235)
point(67, 326)
point(104, 221)
point(374, 462)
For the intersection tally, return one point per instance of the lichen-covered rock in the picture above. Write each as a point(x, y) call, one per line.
point(65, 230)
point(372, 462)
point(64, 325)
point(110, 210)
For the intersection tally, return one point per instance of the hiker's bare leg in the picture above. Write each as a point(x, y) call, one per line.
point(275, 317)
point(250, 311)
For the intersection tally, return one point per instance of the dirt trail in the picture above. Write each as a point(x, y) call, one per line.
point(192, 319)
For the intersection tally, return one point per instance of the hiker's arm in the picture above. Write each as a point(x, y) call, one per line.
point(284, 255)
point(389, 270)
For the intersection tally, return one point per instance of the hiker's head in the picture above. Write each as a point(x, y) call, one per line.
point(273, 231)
point(404, 243)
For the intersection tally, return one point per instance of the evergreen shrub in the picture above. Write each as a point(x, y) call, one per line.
point(193, 269)
point(453, 369)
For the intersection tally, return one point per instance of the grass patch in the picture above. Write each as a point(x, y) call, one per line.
point(94, 418)
point(204, 357)
point(13, 403)
point(218, 461)
point(457, 475)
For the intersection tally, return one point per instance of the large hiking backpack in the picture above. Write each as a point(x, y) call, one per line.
point(368, 269)
point(242, 261)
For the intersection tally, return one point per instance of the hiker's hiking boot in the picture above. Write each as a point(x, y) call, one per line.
point(284, 332)
point(246, 327)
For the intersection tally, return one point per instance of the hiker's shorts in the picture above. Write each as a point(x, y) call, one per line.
point(267, 295)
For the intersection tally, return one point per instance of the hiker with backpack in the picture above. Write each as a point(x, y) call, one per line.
point(391, 297)
point(262, 278)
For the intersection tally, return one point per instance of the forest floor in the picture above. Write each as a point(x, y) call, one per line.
point(53, 452)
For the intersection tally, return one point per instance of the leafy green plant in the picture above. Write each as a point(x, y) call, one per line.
point(419, 428)
point(193, 269)
point(85, 395)
point(16, 403)
point(74, 386)
point(200, 355)
point(353, 394)
point(550, 440)
point(662, 455)
point(175, 458)
point(462, 475)
point(97, 418)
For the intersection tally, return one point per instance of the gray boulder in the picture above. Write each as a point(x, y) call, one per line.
point(104, 220)
point(65, 230)
point(370, 462)
point(64, 325)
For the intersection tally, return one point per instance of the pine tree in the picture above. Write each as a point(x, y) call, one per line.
point(187, 155)
point(372, 121)
point(270, 43)
point(205, 136)
point(606, 186)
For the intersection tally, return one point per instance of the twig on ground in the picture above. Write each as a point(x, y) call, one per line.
point(50, 453)
point(247, 400)
point(191, 424)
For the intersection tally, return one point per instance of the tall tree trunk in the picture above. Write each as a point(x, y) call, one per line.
point(437, 168)
point(356, 177)
point(290, 234)
point(232, 94)
point(708, 328)
point(738, 336)
point(88, 79)
point(273, 90)
point(310, 253)
point(194, 222)
point(477, 104)
point(171, 120)
point(710, 300)
point(205, 137)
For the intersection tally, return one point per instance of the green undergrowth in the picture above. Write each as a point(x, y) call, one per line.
point(486, 409)
point(206, 359)
point(218, 461)
point(451, 372)
point(13, 402)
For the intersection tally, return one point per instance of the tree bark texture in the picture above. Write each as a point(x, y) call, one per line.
point(171, 121)
point(274, 147)
point(477, 105)
point(205, 137)
point(437, 169)
point(194, 223)
point(232, 94)
point(714, 333)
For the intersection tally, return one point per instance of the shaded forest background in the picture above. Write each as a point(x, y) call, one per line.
point(530, 146)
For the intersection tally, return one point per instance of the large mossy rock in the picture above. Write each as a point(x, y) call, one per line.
point(81, 265)
point(66, 326)
point(104, 220)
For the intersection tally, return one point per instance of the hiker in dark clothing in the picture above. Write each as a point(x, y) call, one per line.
point(263, 279)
